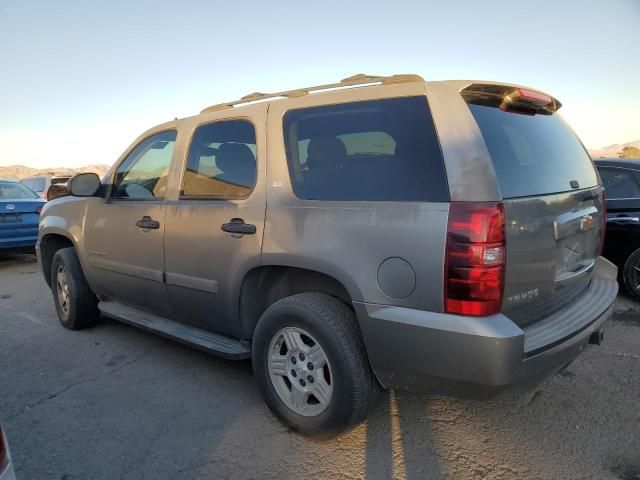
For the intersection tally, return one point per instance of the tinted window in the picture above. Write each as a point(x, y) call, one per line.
point(15, 191)
point(533, 154)
point(373, 150)
point(145, 171)
point(222, 161)
point(619, 183)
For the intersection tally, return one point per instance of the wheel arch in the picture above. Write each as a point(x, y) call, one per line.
point(264, 285)
point(49, 244)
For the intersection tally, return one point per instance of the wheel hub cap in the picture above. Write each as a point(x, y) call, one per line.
point(300, 372)
point(62, 287)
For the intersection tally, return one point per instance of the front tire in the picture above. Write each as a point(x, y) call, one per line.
point(631, 274)
point(75, 303)
point(311, 366)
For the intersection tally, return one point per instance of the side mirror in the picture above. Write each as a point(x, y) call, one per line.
point(84, 185)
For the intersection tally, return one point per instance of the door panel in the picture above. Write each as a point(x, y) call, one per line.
point(222, 187)
point(625, 210)
point(124, 234)
point(128, 261)
point(205, 266)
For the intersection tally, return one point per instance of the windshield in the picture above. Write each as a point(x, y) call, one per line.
point(533, 154)
point(15, 191)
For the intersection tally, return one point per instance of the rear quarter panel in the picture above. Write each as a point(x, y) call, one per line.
point(348, 240)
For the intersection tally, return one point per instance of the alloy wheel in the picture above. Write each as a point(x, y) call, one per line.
point(300, 371)
point(62, 288)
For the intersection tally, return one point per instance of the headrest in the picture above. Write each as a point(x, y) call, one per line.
point(325, 152)
point(234, 157)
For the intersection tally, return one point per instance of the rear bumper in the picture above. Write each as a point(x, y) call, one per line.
point(481, 356)
point(8, 474)
point(18, 236)
point(18, 242)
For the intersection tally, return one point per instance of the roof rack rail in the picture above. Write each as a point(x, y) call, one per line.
point(354, 80)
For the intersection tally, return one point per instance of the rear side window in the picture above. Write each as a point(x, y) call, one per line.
point(533, 154)
point(378, 150)
point(222, 161)
point(619, 183)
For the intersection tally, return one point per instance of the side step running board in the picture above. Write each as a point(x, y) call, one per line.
point(196, 337)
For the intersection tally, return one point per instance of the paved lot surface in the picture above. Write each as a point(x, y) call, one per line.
point(114, 402)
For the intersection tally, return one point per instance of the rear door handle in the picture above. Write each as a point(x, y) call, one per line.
point(237, 225)
point(147, 223)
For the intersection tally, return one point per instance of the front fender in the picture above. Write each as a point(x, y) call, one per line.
point(64, 217)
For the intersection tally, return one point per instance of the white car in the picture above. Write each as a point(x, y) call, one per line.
point(6, 467)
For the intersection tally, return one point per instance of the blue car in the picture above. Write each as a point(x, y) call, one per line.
point(19, 216)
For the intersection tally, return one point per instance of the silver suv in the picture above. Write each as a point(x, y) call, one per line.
point(376, 232)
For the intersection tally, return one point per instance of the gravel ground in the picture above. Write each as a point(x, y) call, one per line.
point(114, 402)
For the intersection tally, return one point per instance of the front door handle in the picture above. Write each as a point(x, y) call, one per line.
point(623, 220)
point(237, 225)
point(147, 223)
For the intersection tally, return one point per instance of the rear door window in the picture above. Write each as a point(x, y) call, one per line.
point(619, 183)
point(222, 161)
point(376, 150)
point(533, 154)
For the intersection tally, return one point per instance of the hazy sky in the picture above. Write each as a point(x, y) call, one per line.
point(79, 80)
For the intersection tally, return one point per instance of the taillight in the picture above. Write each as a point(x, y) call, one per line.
point(475, 258)
point(39, 210)
point(4, 454)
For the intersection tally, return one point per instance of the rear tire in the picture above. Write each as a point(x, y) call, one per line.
point(76, 305)
point(330, 387)
point(631, 274)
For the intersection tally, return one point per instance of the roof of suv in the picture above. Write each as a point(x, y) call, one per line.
point(633, 163)
point(358, 80)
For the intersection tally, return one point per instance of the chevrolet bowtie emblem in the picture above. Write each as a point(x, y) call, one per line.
point(586, 223)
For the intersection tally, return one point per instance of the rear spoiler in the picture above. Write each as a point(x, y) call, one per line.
point(511, 98)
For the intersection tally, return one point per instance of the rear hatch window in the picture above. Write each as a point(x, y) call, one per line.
point(533, 154)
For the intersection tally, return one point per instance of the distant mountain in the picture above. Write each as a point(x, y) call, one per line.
point(19, 172)
point(612, 150)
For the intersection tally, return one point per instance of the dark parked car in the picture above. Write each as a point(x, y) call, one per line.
point(19, 216)
point(621, 179)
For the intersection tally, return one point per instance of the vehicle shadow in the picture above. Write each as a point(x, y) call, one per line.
point(117, 402)
point(8, 259)
point(395, 448)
